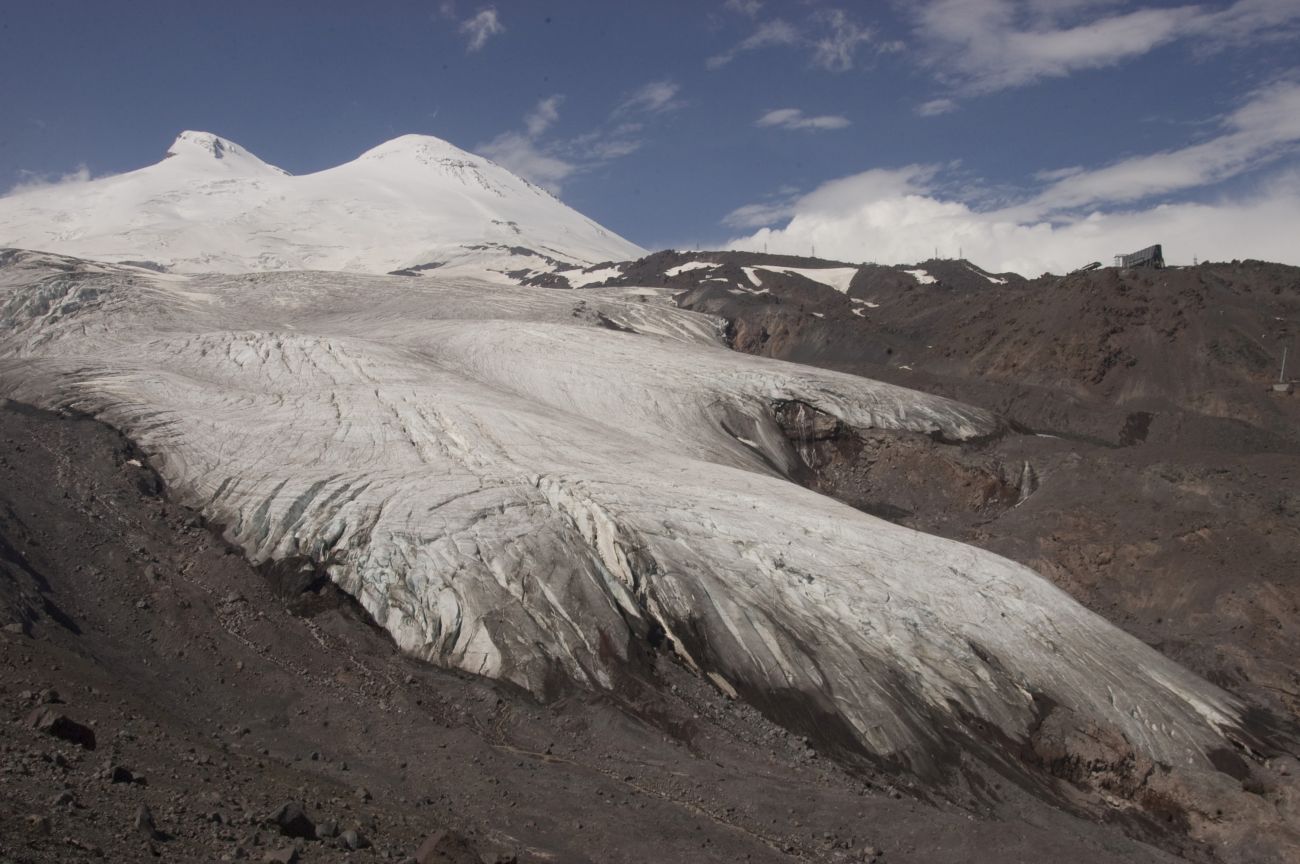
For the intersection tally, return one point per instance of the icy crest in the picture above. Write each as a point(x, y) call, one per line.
point(200, 148)
point(202, 143)
point(421, 149)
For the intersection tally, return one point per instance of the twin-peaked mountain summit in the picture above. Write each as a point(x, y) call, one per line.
point(211, 206)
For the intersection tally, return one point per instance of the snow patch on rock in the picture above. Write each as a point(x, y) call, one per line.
point(579, 279)
point(994, 279)
point(832, 277)
point(689, 266)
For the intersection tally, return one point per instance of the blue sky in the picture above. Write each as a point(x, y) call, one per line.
point(1030, 134)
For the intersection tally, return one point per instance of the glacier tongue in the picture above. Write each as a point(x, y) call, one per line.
point(525, 484)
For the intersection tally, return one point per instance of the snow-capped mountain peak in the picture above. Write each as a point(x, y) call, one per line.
point(203, 148)
point(423, 149)
point(411, 204)
point(421, 158)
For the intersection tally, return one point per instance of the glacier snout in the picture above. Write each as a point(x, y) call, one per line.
point(517, 491)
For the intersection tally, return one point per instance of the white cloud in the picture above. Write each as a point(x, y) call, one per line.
point(981, 46)
point(1078, 215)
point(935, 107)
point(605, 143)
point(835, 50)
point(1265, 128)
point(1053, 13)
point(543, 116)
point(653, 98)
point(1250, 22)
point(767, 35)
point(830, 35)
point(758, 215)
point(1054, 174)
point(745, 7)
point(890, 217)
point(774, 208)
point(520, 154)
point(481, 27)
point(30, 180)
point(793, 118)
point(549, 162)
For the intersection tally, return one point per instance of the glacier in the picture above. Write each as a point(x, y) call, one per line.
point(533, 485)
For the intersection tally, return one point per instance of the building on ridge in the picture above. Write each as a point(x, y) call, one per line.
point(1152, 256)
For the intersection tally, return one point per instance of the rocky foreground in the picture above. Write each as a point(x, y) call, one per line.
point(234, 717)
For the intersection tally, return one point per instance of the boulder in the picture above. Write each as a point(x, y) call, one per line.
point(291, 820)
point(52, 722)
point(446, 847)
point(287, 855)
point(144, 823)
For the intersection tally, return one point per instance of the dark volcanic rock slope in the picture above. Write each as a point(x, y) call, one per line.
point(1153, 473)
point(1080, 354)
